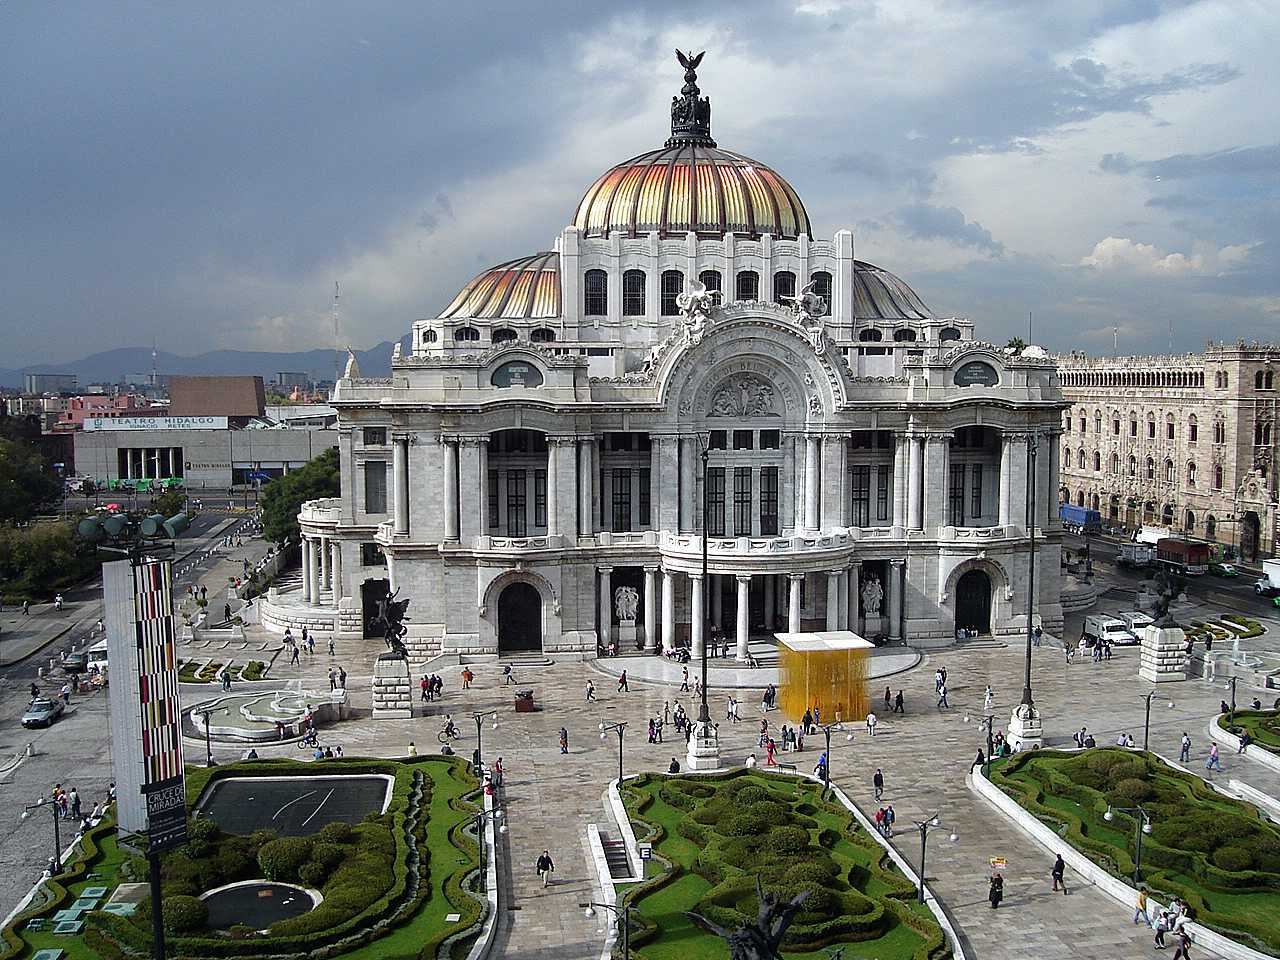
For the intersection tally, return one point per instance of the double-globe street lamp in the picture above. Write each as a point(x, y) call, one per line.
point(619, 727)
point(56, 860)
point(826, 729)
point(924, 826)
point(479, 716)
point(497, 816)
point(623, 915)
point(1143, 826)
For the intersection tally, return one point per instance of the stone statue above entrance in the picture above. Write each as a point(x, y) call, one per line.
point(872, 596)
point(626, 601)
point(744, 396)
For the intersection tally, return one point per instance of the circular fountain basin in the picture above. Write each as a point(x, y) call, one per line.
point(258, 903)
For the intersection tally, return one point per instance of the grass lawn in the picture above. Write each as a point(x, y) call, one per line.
point(1263, 727)
point(720, 833)
point(406, 865)
point(1220, 855)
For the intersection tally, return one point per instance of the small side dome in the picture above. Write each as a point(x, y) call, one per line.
point(521, 289)
point(881, 295)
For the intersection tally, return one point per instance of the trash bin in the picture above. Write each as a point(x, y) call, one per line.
point(524, 701)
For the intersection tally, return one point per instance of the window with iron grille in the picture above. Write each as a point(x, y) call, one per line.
point(770, 439)
point(375, 486)
point(539, 498)
point(743, 440)
point(784, 285)
point(718, 440)
point(595, 293)
point(621, 499)
point(672, 287)
point(633, 293)
point(768, 501)
point(882, 491)
point(748, 286)
point(822, 287)
point(517, 501)
point(645, 499)
point(956, 498)
point(975, 498)
point(711, 280)
point(375, 436)
point(491, 486)
point(860, 482)
point(742, 501)
point(715, 501)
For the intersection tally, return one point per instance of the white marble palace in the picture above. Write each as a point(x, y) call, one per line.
point(688, 362)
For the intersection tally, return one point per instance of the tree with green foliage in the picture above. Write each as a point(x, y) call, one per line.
point(1016, 345)
point(283, 497)
point(38, 560)
point(169, 503)
point(28, 485)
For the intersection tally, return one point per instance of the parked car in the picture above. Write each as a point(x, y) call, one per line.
point(75, 661)
point(42, 712)
point(1223, 570)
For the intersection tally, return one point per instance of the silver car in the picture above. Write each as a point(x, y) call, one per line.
point(42, 712)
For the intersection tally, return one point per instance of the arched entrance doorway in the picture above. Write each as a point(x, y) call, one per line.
point(1250, 530)
point(519, 618)
point(371, 594)
point(973, 602)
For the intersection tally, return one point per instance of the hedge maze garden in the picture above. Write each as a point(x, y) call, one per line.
point(387, 881)
point(713, 836)
point(1220, 855)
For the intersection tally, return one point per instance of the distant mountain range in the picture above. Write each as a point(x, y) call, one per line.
point(113, 365)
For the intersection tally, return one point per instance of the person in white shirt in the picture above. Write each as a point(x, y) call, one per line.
point(871, 724)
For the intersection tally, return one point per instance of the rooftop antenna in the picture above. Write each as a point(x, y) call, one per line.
point(1030, 340)
point(337, 346)
point(1115, 341)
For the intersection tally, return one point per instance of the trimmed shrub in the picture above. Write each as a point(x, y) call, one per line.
point(326, 855)
point(787, 841)
point(282, 858)
point(202, 834)
point(1131, 790)
point(741, 825)
point(336, 832)
point(313, 874)
point(182, 914)
point(813, 871)
point(1233, 858)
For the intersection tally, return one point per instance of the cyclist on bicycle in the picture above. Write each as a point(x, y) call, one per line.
point(450, 731)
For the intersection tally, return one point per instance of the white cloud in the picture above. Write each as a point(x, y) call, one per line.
point(1121, 253)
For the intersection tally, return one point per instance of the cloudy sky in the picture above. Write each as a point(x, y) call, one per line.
point(201, 174)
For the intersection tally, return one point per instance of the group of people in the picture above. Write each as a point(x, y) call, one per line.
point(70, 805)
point(894, 703)
point(432, 687)
point(1172, 920)
point(885, 819)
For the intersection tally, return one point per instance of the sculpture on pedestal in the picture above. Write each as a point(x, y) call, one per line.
point(626, 601)
point(762, 940)
point(390, 617)
point(872, 595)
point(1166, 587)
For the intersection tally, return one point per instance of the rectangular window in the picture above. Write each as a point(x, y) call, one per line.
point(646, 516)
point(742, 501)
point(719, 440)
point(715, 501)
point(595, 294)
point(768, 501)
point(375, 436)
point(882, 492)
point(770, 439)
point(743, 440)
point(672, 286)
point(375, 486)
point(633, 293)
point(491, 494)
point(956, 498)
point(621, 499)
point(748, 286)
point(860, 482)
point(539, 498)
point(975, 496)
point(517, 502)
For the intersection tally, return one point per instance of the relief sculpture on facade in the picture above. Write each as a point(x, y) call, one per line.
point(743, 397)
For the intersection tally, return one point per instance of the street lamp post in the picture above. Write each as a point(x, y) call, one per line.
point(208, 743)
point(1025, 727)
point(826, 729)
point(986, 766)
point(1143, 826)
point(479, 717)
point(618, 727)
point(704, 715)
point(496, 815)
point(624, 921)
point(1231, 715)
point(704, 747)
point(1146, 725)
point(924, 826)
point(57, 833)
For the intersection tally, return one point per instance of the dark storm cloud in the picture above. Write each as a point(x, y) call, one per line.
point(924, 221)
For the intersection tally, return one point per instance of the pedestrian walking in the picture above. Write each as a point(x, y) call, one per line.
point(422, 685)
point(497, 772)
point(666, 711)
point(342, 678)
point(306, 637)
point(871, 724)
point(988, 699)
point(26, 608)
point(1184, 754)
point(995, 891)
point(1140, 908)
point(899, 704)
point(73, 798)
point(1059, 875)
point(622, 681)
point(889, 819)
point(564, 740)
point(591, 692)
point(333, 679)
point(942, 697)
point(877, 782)
point(66, 694)
point(888, 700)
point(684, 682)
point(1162, 926)
point(508, 678)
point(1184, 944)
point(226, 611)
point(1214, 762)
point(294, 656)
point(546, 867)
point(332, 649)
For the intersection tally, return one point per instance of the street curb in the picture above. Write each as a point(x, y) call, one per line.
point(484, 943)
point(1253, 751)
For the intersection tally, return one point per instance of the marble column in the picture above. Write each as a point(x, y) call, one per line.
point(833, 599)
point(717, 600)
point(793, 601)
point(553, 487)
point(606, 607)
point(915, 495)
point(895, 598)
point(855, 596)
point(306, 569)
point(833, 457)
point(668, 611)
point(315, 572)
point(811, 498)
point(690, 508)
point(451, 489)
point(400, 479)
point(667, 474)
point(335, 571)
point(586, 474)
point(770, 600)
point(324, 563)
point(744, 604)
point(650, 609)
point(899, 480)
point(485, 519)
point(842, 617)
point(1006, 478)
point(1050, 502)
point(937, 480)
point(696, 616)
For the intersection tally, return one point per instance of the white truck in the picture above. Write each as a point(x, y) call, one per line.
point(1138, 556)
point(1269, 585)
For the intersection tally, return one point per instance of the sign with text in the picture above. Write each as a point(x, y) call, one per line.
point(155, 423)
point(146, 712)
point(516, 373)
point(975, 373)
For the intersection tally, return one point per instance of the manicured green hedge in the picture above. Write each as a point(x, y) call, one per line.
point(1263, 727)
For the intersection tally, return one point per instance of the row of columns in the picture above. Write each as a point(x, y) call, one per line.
point(844, 591)
point(321, 569)
point(152, 463)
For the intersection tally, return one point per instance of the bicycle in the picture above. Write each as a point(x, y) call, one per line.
point(447, 734)
point(309, 741)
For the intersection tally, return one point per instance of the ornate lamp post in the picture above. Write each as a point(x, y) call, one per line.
point(1146, 725)
point(704, 745)
point(1025, 728)
point(1143, 826)
point(623, 914)
point(924, 826)
point(618, 728)
point(55, 862)
point(479, 717)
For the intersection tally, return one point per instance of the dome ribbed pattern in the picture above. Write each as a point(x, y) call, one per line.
point(695, 187)
point(881, 295)
point(525, 288)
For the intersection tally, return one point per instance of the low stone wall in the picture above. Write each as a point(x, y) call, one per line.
point(277, 616)
point(1253, 751)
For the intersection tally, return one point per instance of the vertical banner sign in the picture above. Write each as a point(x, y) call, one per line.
point(146, 713)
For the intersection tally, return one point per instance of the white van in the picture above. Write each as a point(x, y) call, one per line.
point(98, 656)
point(1136, 622)
point(1103, 627)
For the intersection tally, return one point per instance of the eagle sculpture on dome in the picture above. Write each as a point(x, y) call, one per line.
point(690, 61)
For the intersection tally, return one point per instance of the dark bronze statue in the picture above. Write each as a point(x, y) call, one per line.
point(761, 941)
point(390, 617)
point(1167, 587)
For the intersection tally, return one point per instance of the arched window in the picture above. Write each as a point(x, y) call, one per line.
point(430, 336)
point(1082, 423)
point(1268, 381)
point(1133, 424)
point(595, 293)
point(746, 285)
point(1219, 432)
point(466, 335)
point(1217, 476)
point(1151, 468)
point(1226, 380)
point(1266, 434)
point(711, 279)
point(1191, 473)
point(904, 336)
point(869, 336)
point(1166, 516)
point(1151, 426)
point(784, 285)
point(821, 281)
point(1193, 429)
point(672, 287)
point(1210, 526)
point(1189, 521)
point(1066, 456)
point(1170, 427)
point(1097, 422)
point(542, 335)
point(1080, 499)
point(1133, 466)
point(1094, 502)
point(1080, 459)
point(633, 293)
point(1169, 475)
point(503, 334)
point(1097, 462)
point(1115, 463)
point(1257, 380)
